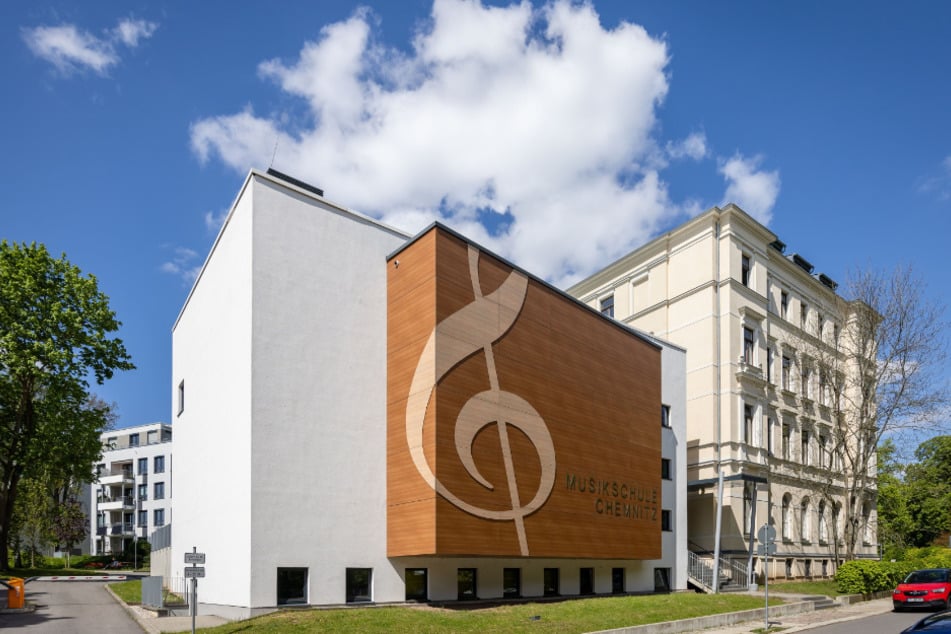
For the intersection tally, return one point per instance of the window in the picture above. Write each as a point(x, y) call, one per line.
point(665, 415)
point(586, 581)
point(617, 580)
point(769, 365)
point(866, 524)
point(806, 383)
point(112, 442)
point(143, 491)
point(358, 585)
point(665, 521)
point(823, 531)
point(99, 469)
point(820, 325)
point(159, 464)
point(143, 465)
point(784, 304)
point(745, 273)
point(511, 583)
point(550, 582)
point(786, 519)
point(807, 567)
point(835, 334)
point(291, 586)
point(748, 424)
point(181, 397)
point(143, 518)
point(823, 388)
point(804, 521)
point(665, 469)
point(786, 442)
point(747, 506)
point(159, 491)
point(466, 584)
point(661, 579)
point(748, 346)
point(158, 517)
point(607, 306)
point(101, 520)
point(787, 369)
point(769, 436)
point(789, 568)
point(133, 440)
point(804, 447)
point(803, 315)
point(824, 460)
point(417, 585)
point(151, 437)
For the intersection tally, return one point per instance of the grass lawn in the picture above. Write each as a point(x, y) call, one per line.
point(580, 615)
point(131, 592)
point(827, 587)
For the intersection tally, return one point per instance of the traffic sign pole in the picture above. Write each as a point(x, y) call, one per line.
point(193, 572)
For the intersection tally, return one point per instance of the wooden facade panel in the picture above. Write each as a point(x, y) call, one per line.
point(580, 401)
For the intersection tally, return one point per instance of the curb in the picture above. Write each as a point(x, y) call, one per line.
point(125, 606)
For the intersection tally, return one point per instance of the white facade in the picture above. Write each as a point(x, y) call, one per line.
point(279, 402)
point(133, 493)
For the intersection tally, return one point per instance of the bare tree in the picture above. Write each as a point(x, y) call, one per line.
point(878, 374)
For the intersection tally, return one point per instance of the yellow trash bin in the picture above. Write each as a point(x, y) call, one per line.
point(15, 593)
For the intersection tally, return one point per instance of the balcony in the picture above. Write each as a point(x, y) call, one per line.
point(124, 528)
point(117, 477)
point(122, 503)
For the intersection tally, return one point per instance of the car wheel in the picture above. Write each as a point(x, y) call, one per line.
point(896, 608)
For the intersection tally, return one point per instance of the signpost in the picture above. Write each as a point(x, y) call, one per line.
point(193, 572)
point(766, 536)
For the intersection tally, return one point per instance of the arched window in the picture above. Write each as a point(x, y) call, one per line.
point(866, 524)
point(787, 519)
point(823, 530)
point(804, 524)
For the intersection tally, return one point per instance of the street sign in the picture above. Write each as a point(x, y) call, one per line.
point(766, 549)
point(194, 558)
point(194, 572)
point(766, 534)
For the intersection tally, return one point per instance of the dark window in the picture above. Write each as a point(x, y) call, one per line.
point(784, 304)
point(358, 584)
point(805, 447)
point(158, 517)
point(607, 306)
point(133, 440)
point(159, 464)
point(181, 397)
point(769, 365)
point(143, 465)
point(159, 491)
point(143, 491)
point(661, 579)
point(748, 345)
point(586, 581)
point(807, 564)
point(512, 583)
point(551, 586)
point(617, 580)
point(745, 276)
point(417, 586)
point(748, 423)
point(291, 585)
point(665, 415)
point(143, 518)
point(789, 568)
point(466, 582)
point(665, 468)
point(665, 520)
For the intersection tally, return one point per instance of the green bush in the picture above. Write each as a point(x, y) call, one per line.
point(866, 577)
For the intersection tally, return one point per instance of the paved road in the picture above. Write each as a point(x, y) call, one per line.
point(888, 623)
point(75, 607)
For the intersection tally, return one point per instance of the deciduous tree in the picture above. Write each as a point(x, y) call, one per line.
point(55, 335)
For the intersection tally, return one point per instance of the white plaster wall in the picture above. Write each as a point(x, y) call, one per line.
point(318, 431)
point(211, 352)
point(674, 447)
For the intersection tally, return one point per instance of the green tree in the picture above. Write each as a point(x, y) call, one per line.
point(929, 484)
point(69, 524)
point(895, 523)
point(55, 327)
point(30, 526)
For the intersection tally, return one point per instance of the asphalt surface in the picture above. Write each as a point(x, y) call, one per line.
point(74, 607)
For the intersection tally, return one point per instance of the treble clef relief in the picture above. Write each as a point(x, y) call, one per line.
point(476, 327)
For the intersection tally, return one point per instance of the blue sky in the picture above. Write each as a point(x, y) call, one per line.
point(561, 135)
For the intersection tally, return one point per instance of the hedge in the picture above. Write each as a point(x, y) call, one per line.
point(867, 576)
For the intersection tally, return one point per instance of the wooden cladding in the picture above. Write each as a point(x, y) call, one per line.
point(518, 422)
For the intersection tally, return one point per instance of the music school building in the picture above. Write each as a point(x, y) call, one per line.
point(366, 416)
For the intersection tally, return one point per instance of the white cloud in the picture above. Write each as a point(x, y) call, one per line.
point(694, 147)
point(184, 264)
point(214, 220)
point(531, 130)
point(754, 190)
point(70, 49)
point(939, 184)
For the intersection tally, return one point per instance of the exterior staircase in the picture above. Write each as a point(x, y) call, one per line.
point(733, 576)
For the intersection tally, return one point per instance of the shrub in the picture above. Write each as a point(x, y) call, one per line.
point(866, 577)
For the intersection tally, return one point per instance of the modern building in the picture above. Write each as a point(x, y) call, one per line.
point(362, 415)
point(133, 493)
point(761, 328)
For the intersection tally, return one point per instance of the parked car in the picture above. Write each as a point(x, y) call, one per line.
point(923, 588)
point(940, 622)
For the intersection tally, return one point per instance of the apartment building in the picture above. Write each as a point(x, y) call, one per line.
point(396, 418)
point(133, 492)
point(761, 328)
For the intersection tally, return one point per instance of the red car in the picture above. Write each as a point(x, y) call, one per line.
point(923, 588)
